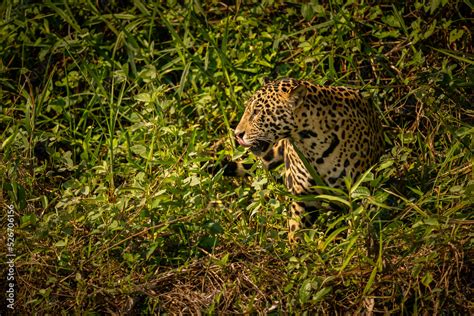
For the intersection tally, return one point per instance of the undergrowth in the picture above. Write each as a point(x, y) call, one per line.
point(112, 112)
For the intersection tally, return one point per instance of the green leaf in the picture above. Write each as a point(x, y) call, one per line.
point(332, 237)
point(143, 97)
point(454, 35)
point(430, 30)
point(140, 150)
point(434, 4)
point(367, 176)
point(288, 287)
point(385, 34)
point(392, 21)
point(360, 192)
point(307, 11)
point(208, 242)
point(151, 250)
point(305, 291)
point(370, 281)
point(7, 142)
point(214, 228)
point(454, 55)
point(61, 243)
point(26, 220)
point(427, 279)
point(224, 260)
point(332, 198)
point(321, 294)
point(431, 221)
point(347, 260)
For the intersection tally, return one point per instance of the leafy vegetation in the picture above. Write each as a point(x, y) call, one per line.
point(112, 112)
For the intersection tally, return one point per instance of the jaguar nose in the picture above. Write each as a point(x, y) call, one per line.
point(240, 138)
point(239, 135)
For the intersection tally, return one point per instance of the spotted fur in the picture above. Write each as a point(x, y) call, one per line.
point(335, 128)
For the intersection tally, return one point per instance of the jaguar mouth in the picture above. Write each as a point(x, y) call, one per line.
point(259, 147)
point(242, 142)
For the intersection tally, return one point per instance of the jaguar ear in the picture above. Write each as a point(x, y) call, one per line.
point(298, 95)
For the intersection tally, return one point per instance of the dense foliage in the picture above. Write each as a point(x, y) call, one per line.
point(111, 113)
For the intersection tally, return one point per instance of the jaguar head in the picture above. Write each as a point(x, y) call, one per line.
point(268, 115)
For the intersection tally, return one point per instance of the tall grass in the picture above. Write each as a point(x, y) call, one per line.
point(111, 113)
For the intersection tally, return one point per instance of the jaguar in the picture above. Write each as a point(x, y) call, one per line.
point(334, 131)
